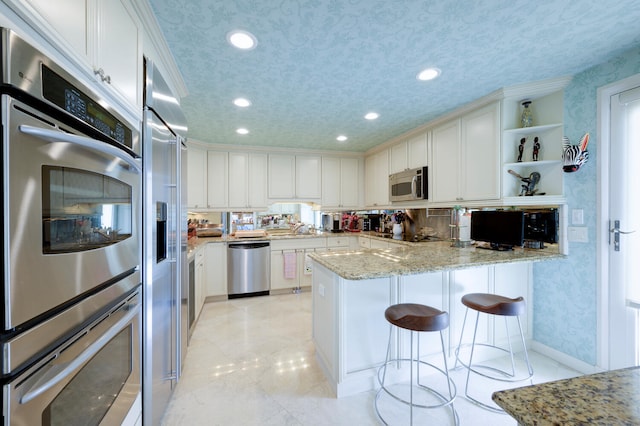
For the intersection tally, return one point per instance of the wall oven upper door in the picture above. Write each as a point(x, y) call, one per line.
point(71, 215)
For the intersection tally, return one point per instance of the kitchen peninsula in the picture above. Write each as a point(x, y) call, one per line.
point(351, 290)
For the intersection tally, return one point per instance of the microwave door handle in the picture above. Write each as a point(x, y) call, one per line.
point(414, 184)
point(61, 371)
point(105, 148)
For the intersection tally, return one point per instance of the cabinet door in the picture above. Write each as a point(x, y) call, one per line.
point(278, 279)
point(216, 270)
point(349, 182)
point(331, 181)
point(513, 280)
point(377, 179)
point(446, 162)
point(398, 157)
point(217, 179)
point(282, 169)
point(199, 286)
point(238, 179)
point(308, 177)
point(118, 49)
point(480, 134)
point(58, 14)
point(196, 178)
point(258, 181)
point(417, 151)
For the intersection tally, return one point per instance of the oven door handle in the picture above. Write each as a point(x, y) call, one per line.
point(103, 147)
point(59, 372)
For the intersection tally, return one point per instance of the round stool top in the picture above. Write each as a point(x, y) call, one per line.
point(413, 316)
point(494, 304)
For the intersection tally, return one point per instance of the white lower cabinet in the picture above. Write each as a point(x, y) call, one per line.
point(199, 282)
point(216, 265)
point(299, 274)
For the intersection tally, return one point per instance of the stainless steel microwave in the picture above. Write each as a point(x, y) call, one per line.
point(409, 185)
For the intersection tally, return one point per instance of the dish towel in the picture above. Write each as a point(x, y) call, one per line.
point(308, 268)
point(290, 265)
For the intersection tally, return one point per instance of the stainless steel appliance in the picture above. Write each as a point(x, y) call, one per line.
point(165, 322)
point(332, 222)
point(248, 268)
point(409, 185)
point(92, 378)
point(71, 195)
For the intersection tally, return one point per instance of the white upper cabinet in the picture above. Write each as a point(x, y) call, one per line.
point(102, 36)
point(466, 156)
point(376, 184)
point(294, 177)
point(480, 156)
point(398, 158)
point(217, 191)
point(247, 180)
point(238, 180)
point(196, 178)
point(409, 154)
point(446, 162)
point(340, 182)
point(258, 181)
point(118, 50)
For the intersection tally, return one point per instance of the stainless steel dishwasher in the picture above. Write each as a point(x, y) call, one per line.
point(248, 268)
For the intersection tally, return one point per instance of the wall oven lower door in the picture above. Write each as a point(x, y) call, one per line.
point(91, 379)
point(72, 216)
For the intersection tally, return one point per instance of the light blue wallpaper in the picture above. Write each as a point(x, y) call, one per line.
point(565, 292)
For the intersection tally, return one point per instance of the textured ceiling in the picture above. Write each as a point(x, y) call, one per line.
point(320, 65)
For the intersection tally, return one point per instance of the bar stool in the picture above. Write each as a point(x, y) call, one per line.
point(416, 318)
point(493, 304)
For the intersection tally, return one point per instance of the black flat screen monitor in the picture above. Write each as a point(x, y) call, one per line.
point(502, 229)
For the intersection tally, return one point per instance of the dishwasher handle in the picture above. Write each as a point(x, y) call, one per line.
point(248, 246)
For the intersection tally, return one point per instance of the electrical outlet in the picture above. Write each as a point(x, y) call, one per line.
point(578, 234)
point(321, 290)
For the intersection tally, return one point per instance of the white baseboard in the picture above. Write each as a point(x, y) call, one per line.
point(565, 359)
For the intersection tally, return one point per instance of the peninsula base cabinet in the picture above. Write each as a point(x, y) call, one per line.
point(350, 331)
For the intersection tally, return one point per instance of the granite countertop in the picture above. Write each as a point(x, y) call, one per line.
point(609, 398)
point(418, 258)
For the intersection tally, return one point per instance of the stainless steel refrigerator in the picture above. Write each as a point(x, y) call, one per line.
point(164, 271)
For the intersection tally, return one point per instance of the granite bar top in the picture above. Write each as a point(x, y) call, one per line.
point(421, 258)
point(609, 398)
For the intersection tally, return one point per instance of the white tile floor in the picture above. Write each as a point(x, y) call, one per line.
point(251, 362)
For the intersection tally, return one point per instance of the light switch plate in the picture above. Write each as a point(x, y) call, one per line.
point(578, 234)
point(577, 217)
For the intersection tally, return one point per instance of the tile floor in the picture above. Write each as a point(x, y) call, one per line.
point(251, 362)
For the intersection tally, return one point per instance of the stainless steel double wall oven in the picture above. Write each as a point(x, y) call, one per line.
point(71, 315)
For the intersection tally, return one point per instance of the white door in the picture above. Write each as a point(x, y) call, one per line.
point(624, 240)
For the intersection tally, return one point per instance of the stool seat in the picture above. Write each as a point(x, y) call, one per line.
point(415, 317)
point(494, 304)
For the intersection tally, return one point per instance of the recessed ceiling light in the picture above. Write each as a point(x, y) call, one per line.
point(341, 138)
point(242, 131)
point(242, 102)
point(372, 115)
point(242, 39)
point(428, 74)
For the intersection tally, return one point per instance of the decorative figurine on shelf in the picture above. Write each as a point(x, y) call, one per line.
point(536, 148)
point(528, 187)
point(574, 156)
point(526, 119)
point(521, 149)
